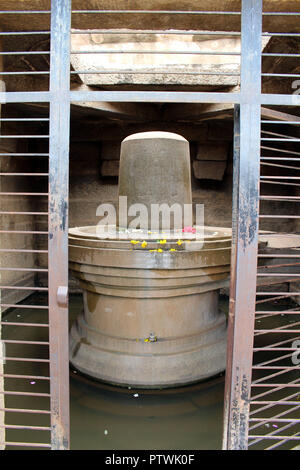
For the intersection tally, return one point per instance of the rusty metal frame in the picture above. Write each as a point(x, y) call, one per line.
point(245, 230)
point(58, 222)
point(245, 209)
point(248, 104)
point(239, 417)
point(58, 175)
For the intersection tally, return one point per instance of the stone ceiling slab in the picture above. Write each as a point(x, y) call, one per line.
point(149, 21)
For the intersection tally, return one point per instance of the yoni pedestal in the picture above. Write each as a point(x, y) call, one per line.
point(151, 316)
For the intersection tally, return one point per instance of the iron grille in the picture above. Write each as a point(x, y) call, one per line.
point(34, 168)
point(262, 384)
point(254, 26)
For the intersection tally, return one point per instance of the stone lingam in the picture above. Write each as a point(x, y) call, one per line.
point(151, 316)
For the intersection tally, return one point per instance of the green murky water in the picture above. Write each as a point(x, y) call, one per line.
point(109, 418)
point(105, 417)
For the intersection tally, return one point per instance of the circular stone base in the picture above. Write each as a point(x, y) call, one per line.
point(151, 317)
point(191, 359)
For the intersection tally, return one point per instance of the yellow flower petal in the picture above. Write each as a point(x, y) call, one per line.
point(144, 244)
point(134, 242)
point(160, 250)
point(162, 242)
point(179, 242)
point(173, 249)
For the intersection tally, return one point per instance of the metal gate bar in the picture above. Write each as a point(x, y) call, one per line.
point(58, 222)
point(245, 230)
point(245, 218)
point(274, 419)
point(265, 407)
point(49, 428)
point(17, 380)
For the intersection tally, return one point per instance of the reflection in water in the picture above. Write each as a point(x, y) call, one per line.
point(107, 417)
point(102, 416)
point(111, 418)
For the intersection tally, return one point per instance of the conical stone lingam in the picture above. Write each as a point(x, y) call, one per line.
point(151, 316)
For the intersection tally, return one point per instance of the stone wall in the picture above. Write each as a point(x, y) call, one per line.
point(16, 222)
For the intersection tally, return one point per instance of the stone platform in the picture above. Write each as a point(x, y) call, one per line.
point(151, 317)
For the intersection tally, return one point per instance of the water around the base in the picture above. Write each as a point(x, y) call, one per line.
point(106, 417)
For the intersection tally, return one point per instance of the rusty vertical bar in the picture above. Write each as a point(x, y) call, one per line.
point(244, 261)
point(235, 205)
point(2, 346)
point(58, 221)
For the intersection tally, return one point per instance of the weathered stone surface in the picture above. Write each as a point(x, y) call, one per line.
point(150, 319)
point(83, 131)
point(159, 165)
point(110, 150)
point(128, 111)
point(112, 52)
point(198, 112)
point(131, 295)
point(219, 130)
point(150, 21)
point(110, 168)
point(208, 170)
point(212, 151)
